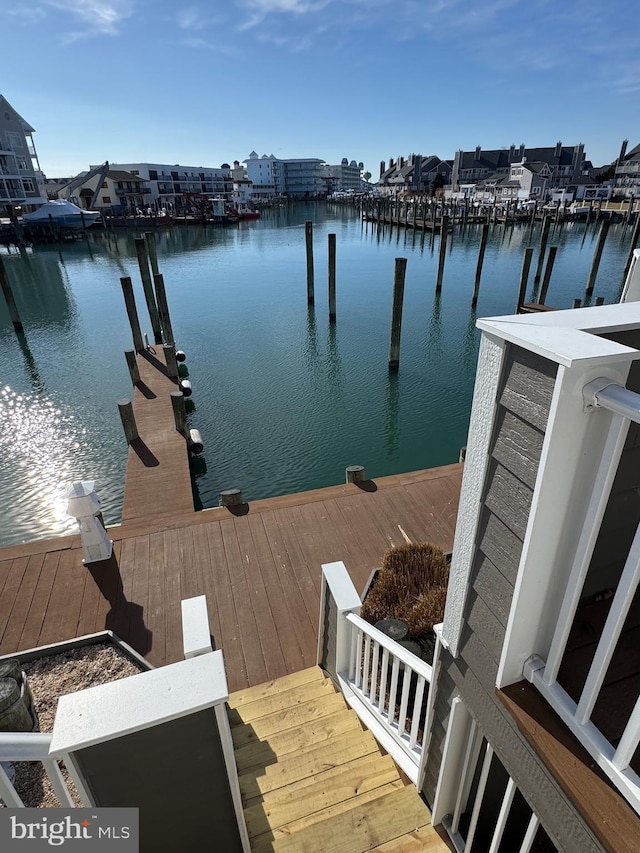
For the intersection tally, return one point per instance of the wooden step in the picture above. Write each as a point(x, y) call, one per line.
point(423, 840)
point(302, 798)
point(249, 711)
point(362, 828)
point(278, 685)
point(317, 759)
point(289, 718)
point(263, 753)
point(268, 841)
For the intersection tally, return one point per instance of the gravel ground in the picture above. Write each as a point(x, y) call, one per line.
point(50, 678)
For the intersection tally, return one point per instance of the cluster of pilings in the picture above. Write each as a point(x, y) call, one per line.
point(442, 225)
point(158, 308)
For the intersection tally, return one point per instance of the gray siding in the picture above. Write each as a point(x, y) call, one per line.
point(329, 633)
point(169, 772)
point(523, 407)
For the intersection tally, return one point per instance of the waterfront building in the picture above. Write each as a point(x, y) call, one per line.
point(176, 187)
point(344, 177)
point(413, 174)
point(117, 190)
point(300, 177)
point(523, 181)
point(565, 163)
point(627, 168)
point(21, 179)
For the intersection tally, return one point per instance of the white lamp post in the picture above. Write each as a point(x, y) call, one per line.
point(85, 506)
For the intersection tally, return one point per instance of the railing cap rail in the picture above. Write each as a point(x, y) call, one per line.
point(419, 666)
point(24, 746)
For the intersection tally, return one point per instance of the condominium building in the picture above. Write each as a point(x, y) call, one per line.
point(21, 179)
point(344, 177)
point(175, 186)
point(302, 177)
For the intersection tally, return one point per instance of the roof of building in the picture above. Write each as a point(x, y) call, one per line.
point(25, 125)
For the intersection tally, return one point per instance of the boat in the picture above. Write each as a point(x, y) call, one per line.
point(63, 213)
point(245, 212)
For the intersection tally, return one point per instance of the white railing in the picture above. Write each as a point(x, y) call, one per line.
point(386, 685)
point(30, 746)
point(614, 760)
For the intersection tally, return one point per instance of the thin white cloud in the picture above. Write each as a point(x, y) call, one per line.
point(93, 17)
point(192, 19)
point(259, 10)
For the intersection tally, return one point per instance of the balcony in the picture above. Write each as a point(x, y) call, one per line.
point(133, 191)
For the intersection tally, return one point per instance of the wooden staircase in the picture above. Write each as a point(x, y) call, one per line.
point(312, 779)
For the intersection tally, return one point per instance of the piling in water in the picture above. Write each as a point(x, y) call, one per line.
point(524, 277)
point(171, 361)
point(132, 313)
point(132, 364)
point(444, 231)
point(634, 242)
point(483, 246)
point(396, 317)
point(8, 295)
point(125, 407)
point(147, 285)
point(553, 250)
point(308, 233)
point(593, 272)
point(163, 308)
point(332, 278)
point(150, 242)
point(544, 236)
point(179, 411)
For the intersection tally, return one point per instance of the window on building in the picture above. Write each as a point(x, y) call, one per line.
point(27, 183)
point(106, 199)
point(104, 186)
point(153, 175)
point(14, 140)
point(22, 164)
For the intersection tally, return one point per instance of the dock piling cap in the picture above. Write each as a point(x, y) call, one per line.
point(82, 499)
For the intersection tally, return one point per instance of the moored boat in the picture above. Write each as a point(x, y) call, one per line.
point(62, 213)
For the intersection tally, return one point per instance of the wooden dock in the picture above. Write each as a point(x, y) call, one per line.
point(157, 481)
point(259, 568)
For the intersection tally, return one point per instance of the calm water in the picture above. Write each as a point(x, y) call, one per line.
point(284, 401)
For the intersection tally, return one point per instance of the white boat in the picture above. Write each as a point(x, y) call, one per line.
point(63, 213)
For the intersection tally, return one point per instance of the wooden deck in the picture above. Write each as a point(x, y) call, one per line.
point(258, 566)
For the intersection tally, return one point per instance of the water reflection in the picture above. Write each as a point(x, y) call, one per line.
point(392, 396)
point(39, 445)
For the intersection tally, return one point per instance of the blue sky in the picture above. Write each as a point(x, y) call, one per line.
point(205, 83)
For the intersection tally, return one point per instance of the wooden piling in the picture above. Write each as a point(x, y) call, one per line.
point(145, 275)
point(396, 318)
point(132, 313)
point(593, 272)
point(444, 232)
point(544, 236)
point(132, 364)
point(150, 242)
point(125, 407)
point(483, 246)
point(553, 250)
point(171, 361)
point(599, 301)
point(634, 242)
point(163, 309)
point(354, 474)
point(524, 276)
point(230, 497)
point(308, 233)
point(332, 278)
point(8, 295)
point(577, 303)
point(179, 411)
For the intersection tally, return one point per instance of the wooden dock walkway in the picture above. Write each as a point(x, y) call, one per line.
point(157, 480)
point(259, 567)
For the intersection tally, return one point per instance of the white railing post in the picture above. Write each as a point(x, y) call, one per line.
point(338, 587)
point(196, 637)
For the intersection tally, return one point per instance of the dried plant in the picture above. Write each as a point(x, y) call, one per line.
point(412, 586)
